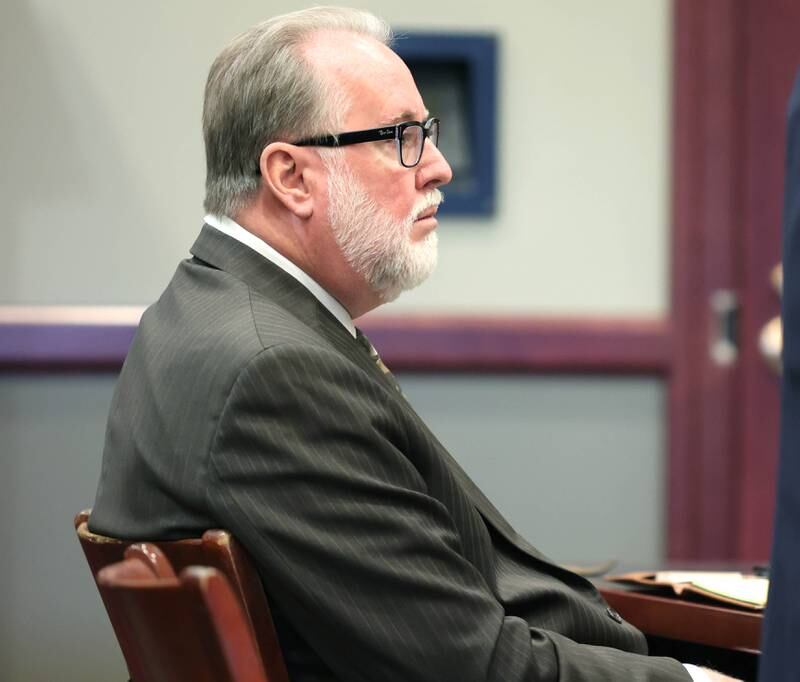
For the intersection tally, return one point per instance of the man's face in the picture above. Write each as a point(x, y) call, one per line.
point(381, 214)
point(381, 248)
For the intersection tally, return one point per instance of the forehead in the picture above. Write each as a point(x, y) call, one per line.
point(379, 86)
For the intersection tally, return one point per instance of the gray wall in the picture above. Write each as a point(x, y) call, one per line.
point(52, 623)
point(101, 145)
point(575, 464)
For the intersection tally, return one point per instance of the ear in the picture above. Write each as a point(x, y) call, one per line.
point(287, 171)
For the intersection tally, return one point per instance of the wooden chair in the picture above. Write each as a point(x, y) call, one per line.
point(172, 628)
point(217, 549)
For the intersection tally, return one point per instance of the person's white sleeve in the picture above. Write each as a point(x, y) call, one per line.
point(698, 674)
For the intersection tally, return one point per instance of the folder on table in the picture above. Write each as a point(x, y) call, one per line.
point(729, 587)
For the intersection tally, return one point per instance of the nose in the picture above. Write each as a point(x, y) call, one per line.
point(433, 169)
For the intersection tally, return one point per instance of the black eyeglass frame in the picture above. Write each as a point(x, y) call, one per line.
point(430, 128)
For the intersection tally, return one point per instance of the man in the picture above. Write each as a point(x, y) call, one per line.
point(782, 621)
point(250, 401)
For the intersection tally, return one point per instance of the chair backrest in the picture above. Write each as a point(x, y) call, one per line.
point(217, 549)
point(189, 627)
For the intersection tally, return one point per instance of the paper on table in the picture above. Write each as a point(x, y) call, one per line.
point(672, 577)
point(743, 588)
point(726, 586)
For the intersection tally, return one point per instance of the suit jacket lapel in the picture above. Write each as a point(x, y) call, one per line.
point(488, 511)
point(225, 253)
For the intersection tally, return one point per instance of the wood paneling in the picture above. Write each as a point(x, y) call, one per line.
point(704, 448)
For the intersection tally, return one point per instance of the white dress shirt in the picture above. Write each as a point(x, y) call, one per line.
point(233, 229)
point(698, 674)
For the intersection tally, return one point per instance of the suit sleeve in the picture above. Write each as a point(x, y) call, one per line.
point(307, 469)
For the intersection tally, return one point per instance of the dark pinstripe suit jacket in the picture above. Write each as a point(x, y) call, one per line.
point(779, 662)
point(244, 404)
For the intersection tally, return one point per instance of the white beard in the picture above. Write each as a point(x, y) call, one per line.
point(374, 243)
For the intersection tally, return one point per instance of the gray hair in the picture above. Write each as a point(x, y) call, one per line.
point(261, 89)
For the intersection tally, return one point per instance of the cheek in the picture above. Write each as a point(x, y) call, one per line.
point(400, 198)
point(389, 185)
point(402, 207)
point(394, 198)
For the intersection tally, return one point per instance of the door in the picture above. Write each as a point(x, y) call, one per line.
point(735, 63)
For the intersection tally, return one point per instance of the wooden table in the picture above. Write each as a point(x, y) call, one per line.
point(724, 638)
point(700, 623)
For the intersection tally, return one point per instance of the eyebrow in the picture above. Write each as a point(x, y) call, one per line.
point(407, 116)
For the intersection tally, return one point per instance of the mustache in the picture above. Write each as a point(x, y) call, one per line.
point(432, 199)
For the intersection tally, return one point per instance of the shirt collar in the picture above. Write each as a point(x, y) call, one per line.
point(237, 232)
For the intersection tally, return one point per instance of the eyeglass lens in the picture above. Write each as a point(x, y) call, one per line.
point(413, 140)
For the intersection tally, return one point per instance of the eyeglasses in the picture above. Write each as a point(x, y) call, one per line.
point(410, 137)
